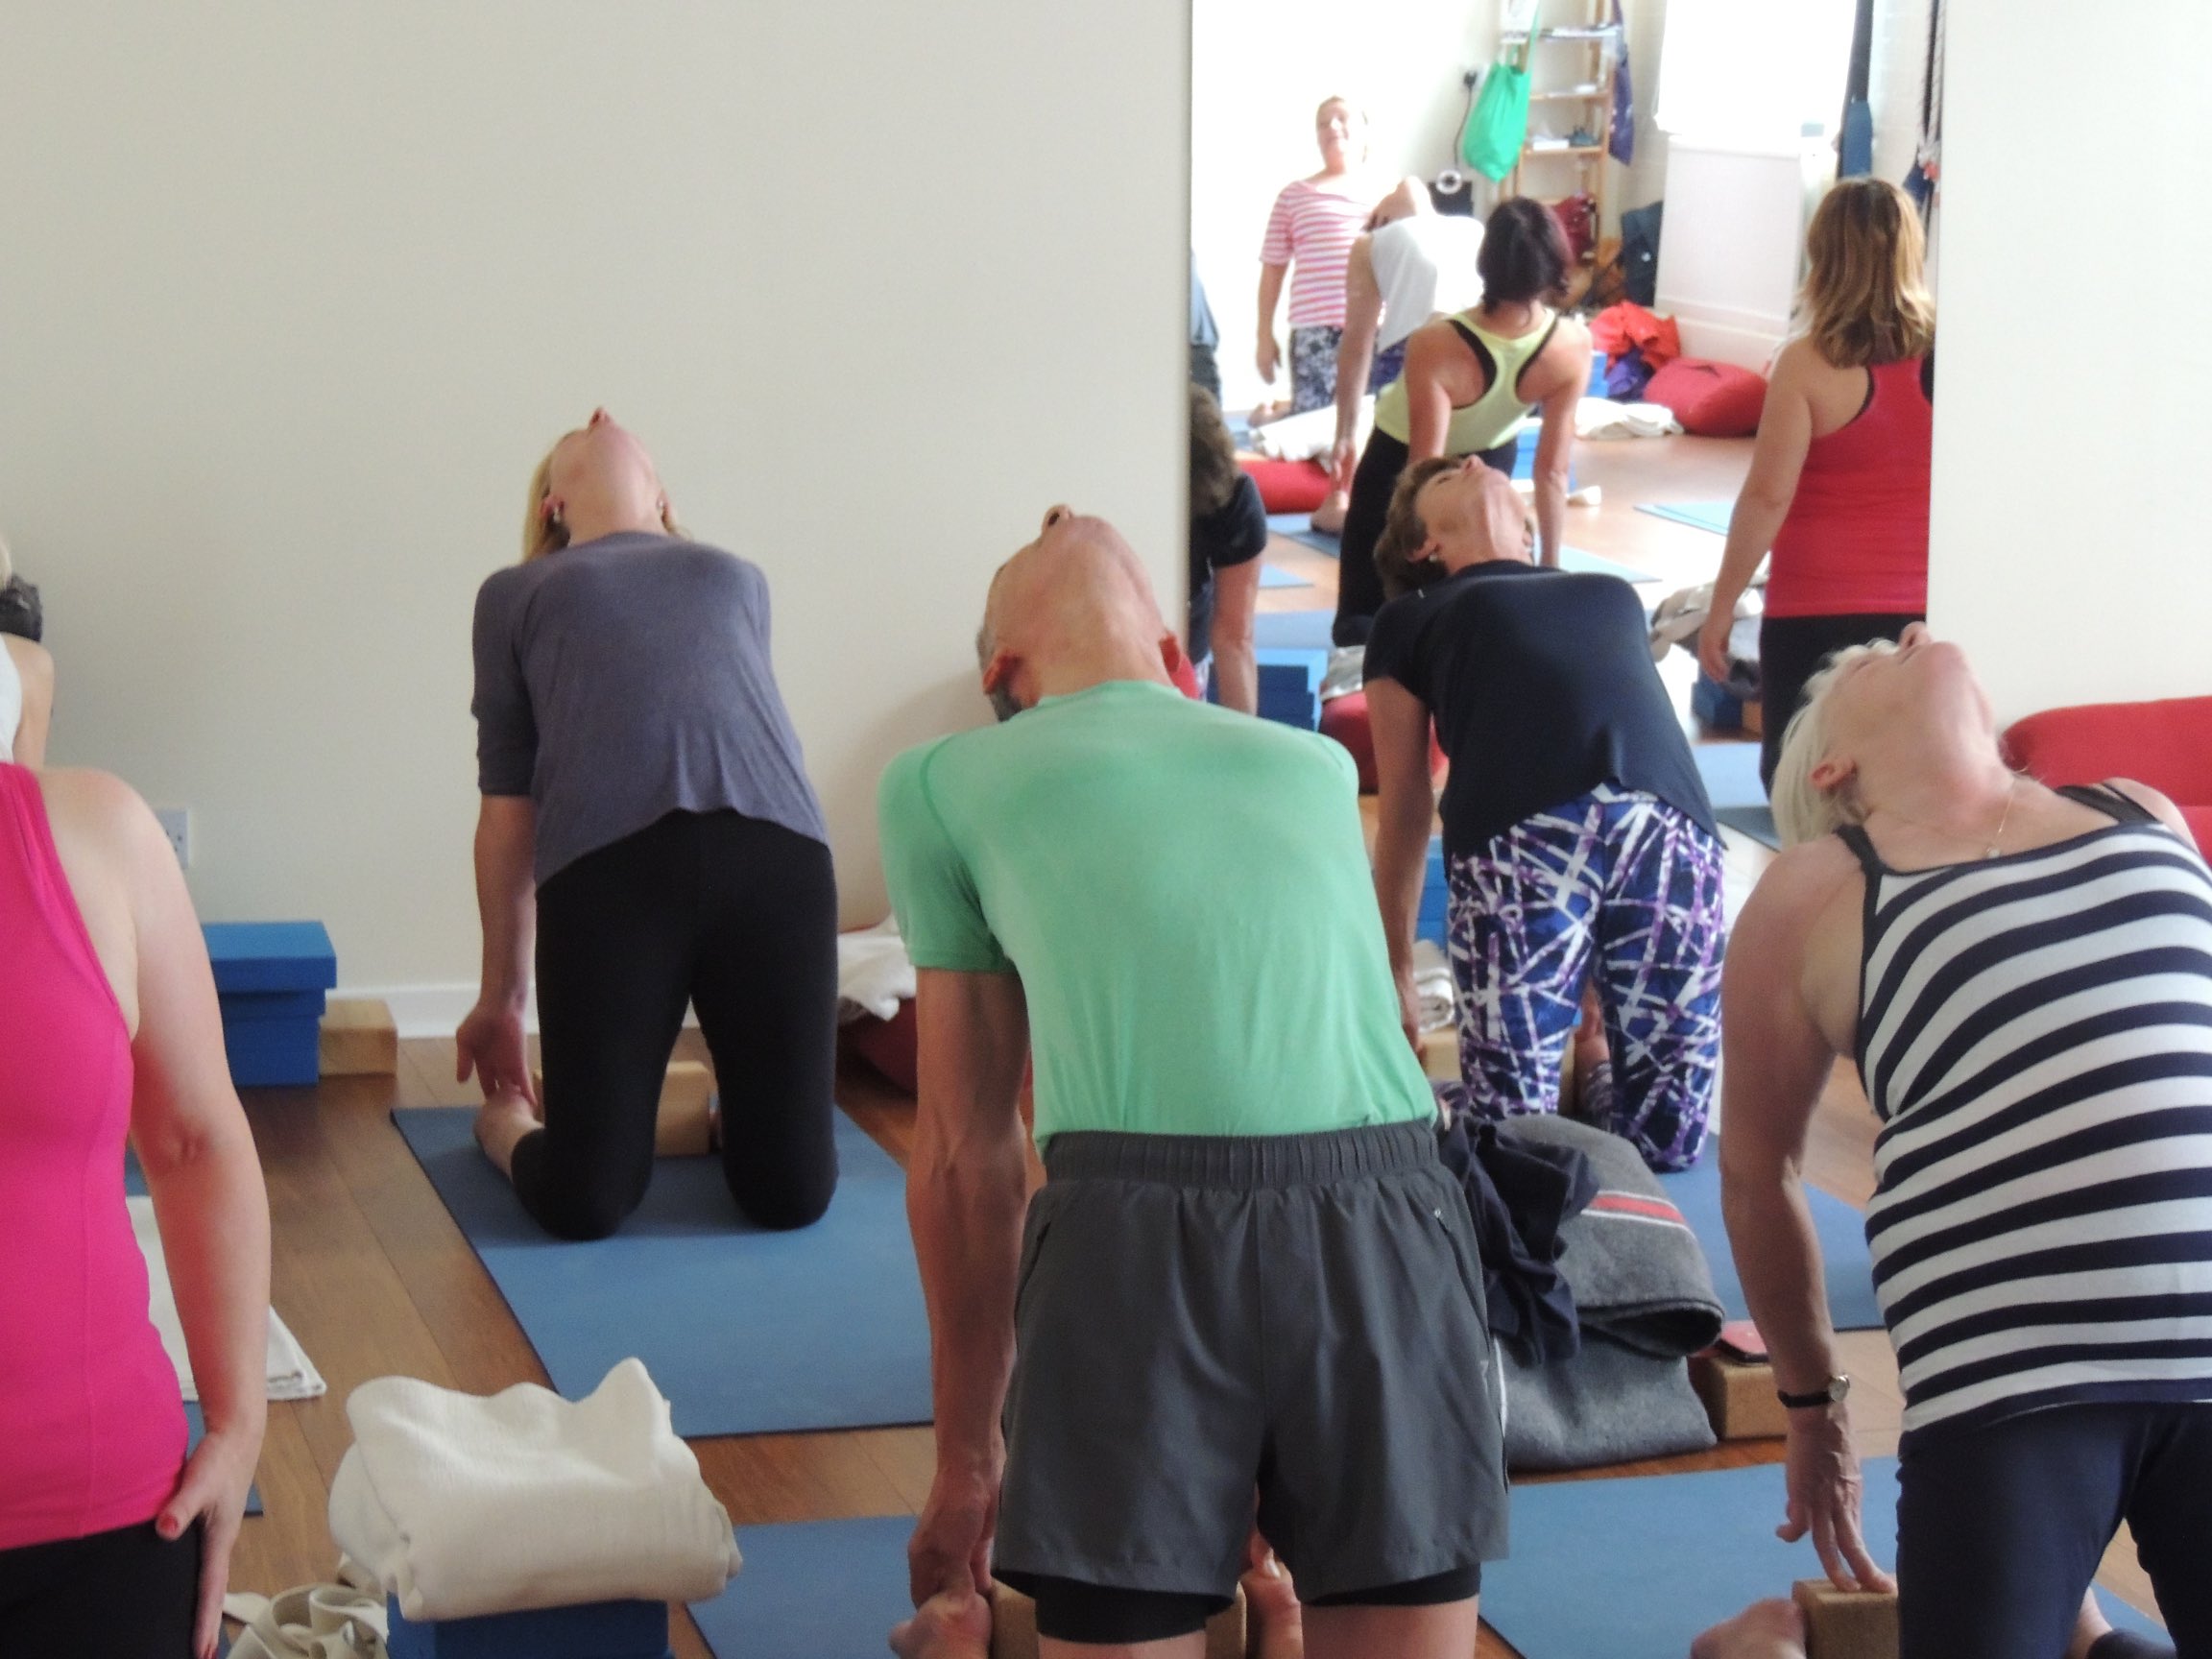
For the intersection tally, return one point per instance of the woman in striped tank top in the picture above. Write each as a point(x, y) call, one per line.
point(2025, 979)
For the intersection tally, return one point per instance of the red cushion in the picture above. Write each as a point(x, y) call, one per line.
point(1288, 485)
point(1345, 719)
point(1712, 400)
point(888, 1045)
point(2166, 744)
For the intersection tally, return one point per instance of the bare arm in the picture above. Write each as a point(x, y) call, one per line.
point(966, 1189)
point(490, 1041)
point(1776, 1060)
point(202, 1173)
point(1556, 452)
point(1355, 355)
point(1270, 293)
point(1398, 722)
point(1236, 661)
point(1427, 399)
point(1777, 457)
point(35, 667)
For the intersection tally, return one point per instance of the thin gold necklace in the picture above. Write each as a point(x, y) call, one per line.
point(1996, 841)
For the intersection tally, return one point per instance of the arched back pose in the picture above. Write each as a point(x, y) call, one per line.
point(1838, 480)
point(1577, 839)
point(112, 1541)
point(647, 822)
point(2025, 979)
point(1469, 380)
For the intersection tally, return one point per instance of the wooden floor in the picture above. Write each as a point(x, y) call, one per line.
point(375, 1279)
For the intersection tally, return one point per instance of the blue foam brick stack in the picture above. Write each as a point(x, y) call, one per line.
point(1291, 685)
point(1524, 453)
point(270, 979)
point(1716, 705)
point(1598, 363)
point(591, 1630)
point(1435, 896)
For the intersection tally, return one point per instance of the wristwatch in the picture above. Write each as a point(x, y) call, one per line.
point(1829, 1393)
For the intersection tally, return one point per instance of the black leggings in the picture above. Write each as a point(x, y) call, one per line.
point(1999, 1528)
point(121, 1594)
point(1069, 1610)
point(1790, 652)
point(735, 916)
point(1358, 584)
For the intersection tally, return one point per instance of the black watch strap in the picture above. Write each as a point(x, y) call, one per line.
point(1836, 1388)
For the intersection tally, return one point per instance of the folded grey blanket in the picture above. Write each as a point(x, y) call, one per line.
point(1645, 1298)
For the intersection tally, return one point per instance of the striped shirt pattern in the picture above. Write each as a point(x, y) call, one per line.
point(2036, 1031)
point(1311, 230)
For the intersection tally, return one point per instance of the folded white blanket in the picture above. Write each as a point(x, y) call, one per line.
point(875, 974)
point(460, 1506)
point(1311, 436)
point(290, 1375)
point(1603, 418)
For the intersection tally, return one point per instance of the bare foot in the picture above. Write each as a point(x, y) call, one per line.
point(951, 1625)
point(2090, 1626)
point(1271, 1603)
point(1328, 517)
point(1763, 1631)
point(502, 1120)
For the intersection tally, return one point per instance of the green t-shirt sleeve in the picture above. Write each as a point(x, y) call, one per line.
point(933, 890)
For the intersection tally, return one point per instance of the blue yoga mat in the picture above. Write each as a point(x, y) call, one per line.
point(1731, 773)
point(817, 1590)
point(196, 1430)
point(1292, 630)
point(1756, 822)
point(1841, 1231)
point(1275, 576)
point(1597, 564)
point(1710, 516)
point(746, 1332)
point(1634, 1569)
point(1299, 527)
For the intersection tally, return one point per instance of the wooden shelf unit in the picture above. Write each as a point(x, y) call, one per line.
point(1577, 46)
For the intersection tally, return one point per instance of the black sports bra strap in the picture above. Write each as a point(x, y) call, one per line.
point(2106, 799)
point(1861, 845)
point(1481, 350)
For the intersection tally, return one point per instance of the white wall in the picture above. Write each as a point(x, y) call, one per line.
point(2069, 549)
point(1257, 69)
point(295, 296)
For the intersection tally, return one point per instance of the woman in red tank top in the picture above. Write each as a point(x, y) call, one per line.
point(1839, 482)
point(112, 1541)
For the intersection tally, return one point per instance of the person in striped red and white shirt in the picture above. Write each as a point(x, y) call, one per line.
point(1309, 237)
point(2024, 976)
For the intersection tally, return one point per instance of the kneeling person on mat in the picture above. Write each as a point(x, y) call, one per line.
point(1236, 1140)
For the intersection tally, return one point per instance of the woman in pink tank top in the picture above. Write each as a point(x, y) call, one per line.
point(1839, 482)
point(112, 1541)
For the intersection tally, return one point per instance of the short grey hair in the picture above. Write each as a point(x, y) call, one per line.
point(1002, 702)
point(1803, 812)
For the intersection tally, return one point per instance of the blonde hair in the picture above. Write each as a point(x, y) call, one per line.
point(544, 534)
point(1865, 299)
point(1802, 811)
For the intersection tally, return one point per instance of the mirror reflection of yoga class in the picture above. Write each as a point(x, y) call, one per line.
point(1499, 957)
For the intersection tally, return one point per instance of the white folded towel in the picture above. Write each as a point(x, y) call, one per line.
point(289, 1373)
point(460, 1506)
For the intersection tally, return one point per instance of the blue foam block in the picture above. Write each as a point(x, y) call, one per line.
point(591, 1630)
point(1275, 576)
point(1710, 516)
point(271, 955)
point(817, 1590)
point(746, 1332)
point(1293, 630)
point(1291, 685)
point(1842, 1230)
point(1730, 772)
point(1634, 1569)
point(267, 1050)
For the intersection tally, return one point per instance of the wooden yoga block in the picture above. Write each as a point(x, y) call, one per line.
point(1738, 1396)
point(358, 1039)
point(1846, 1624)
point(1013, 1626)
point(685, 1127)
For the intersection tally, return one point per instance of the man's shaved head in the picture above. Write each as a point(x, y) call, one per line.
point(1065, 606)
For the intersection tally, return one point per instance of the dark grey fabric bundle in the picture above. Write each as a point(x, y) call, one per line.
point(1646, 1301)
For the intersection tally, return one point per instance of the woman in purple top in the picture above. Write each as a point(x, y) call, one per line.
point(648, 823)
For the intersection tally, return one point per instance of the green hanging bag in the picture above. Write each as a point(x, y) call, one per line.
point(1498, 121)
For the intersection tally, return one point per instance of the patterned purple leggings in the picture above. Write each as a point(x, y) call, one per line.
point(1627, 879)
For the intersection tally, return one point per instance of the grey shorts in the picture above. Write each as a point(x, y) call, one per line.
point(1199, 1318)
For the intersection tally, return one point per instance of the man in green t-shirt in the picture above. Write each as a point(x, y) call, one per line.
point(1248, 1268)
